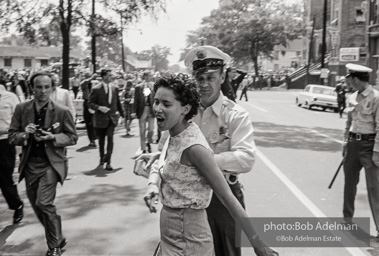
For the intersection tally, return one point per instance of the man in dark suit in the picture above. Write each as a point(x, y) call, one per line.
point(143, 107)
point(106, 103)
point(43, 128)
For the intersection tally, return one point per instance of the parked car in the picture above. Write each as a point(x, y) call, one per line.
point(315, 95)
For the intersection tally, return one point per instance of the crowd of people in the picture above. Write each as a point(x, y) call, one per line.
point(205, 143)
point(43, 124)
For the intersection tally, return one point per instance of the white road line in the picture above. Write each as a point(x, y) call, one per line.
point(261, 109)
point(301, 196)
point(326, 136)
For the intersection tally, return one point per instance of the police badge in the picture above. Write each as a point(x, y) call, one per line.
point(201, 54)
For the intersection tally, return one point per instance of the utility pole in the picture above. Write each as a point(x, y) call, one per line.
point(93, 39)
point(310, 49)
point(323, 47)
point(122, 45)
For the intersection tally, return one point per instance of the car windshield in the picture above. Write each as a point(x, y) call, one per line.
point(325, 91)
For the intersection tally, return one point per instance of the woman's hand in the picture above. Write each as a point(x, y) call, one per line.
point(149, 158)
point(151, 197)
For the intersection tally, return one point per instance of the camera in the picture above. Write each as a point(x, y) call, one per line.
point(38, 132)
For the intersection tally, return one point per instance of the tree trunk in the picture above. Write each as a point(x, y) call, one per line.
point(65, 25)
point(256, 68)
point(66, 58)
point(93, 39)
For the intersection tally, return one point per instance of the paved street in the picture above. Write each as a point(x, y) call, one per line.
point(103, 212)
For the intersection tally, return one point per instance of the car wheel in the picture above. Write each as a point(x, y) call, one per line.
point(323, 109)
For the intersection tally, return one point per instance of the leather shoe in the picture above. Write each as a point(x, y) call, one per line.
point(54, 252)
point(92, 144)
point(109, 167)
point(148, 147)
point(18, 214)
point(63, 243)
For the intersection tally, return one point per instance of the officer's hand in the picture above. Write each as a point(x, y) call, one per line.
point(149, 158)
point(375, 158)
point(344, 146)
point(104, 109)
point(151, 197)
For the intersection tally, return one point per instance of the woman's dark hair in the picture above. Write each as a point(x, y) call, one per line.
point(104, 72)
point(184, 89)
point(35, 75)
point(129, 83)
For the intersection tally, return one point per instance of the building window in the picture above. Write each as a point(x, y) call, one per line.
point(27, 63)
point(7, 62)
point(360, 18)
point(276, 55)
point(44, 63)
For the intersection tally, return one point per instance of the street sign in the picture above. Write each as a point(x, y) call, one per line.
point(324, 73)
point(349, 54)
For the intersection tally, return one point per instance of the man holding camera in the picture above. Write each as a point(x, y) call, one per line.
point(43, 128)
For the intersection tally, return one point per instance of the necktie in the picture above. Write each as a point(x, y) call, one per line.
point(109, 94)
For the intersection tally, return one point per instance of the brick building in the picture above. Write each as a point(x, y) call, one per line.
point(373, 40)
point(347, 30)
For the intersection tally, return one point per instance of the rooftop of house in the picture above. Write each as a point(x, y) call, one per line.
point(139, 64)
point(37, 52)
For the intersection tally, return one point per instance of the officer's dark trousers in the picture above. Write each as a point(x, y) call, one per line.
point(358, 155)
point(41, 194)
point(223, 225)
point(101, 133)
point(7, 186)
point(341, 107)
point(244, 92)
point(88, 120)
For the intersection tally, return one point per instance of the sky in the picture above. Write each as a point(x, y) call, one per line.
point(171, 28)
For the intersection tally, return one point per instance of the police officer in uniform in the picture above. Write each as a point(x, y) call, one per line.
point(361, 148)
point(228, 130)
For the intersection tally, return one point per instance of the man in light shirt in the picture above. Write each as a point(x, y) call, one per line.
point(62, 96)
point(361, 147)
point(8, 102)
point(229, 132)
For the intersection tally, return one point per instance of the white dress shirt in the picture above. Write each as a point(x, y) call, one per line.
point(8, 102)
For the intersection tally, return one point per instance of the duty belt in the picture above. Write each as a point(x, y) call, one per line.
point(231, 178)
point(359, 136)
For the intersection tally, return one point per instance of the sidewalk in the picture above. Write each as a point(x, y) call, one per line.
point(103, 212)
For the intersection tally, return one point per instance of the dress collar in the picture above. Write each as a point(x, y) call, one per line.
point(367, 91)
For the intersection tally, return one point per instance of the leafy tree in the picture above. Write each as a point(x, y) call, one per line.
point(30, 15)
point(158, 55)
point(32, 18)
point(111, 46)
point(248, 29)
